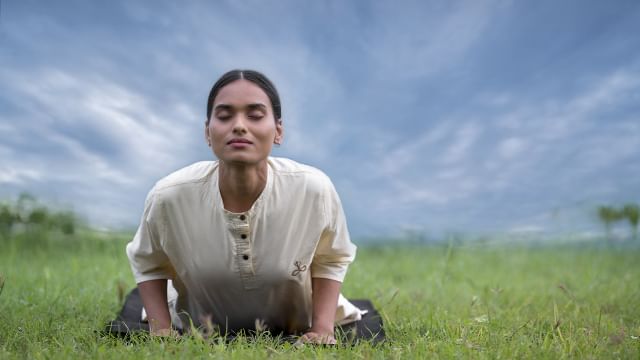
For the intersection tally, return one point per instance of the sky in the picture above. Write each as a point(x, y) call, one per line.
point(430, 117)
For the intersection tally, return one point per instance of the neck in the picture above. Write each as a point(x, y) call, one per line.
point(241, 184)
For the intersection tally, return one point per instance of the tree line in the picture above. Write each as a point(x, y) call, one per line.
point(610, 215)
point(27, 214)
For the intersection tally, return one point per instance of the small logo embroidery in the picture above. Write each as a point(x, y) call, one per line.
point(299, 268)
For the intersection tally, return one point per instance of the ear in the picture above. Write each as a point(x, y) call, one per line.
point(206, 134)
point(279, 133)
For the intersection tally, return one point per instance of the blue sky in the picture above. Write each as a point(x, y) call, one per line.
point(432, 116)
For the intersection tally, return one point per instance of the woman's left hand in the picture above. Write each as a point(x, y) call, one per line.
point(325, 301)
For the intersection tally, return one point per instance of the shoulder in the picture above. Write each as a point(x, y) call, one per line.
point(288, 167)
point(293, 173)
point(193, 175)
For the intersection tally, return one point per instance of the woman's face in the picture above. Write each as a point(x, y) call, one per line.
point(242, 127)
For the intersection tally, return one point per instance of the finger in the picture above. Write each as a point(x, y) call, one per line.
point(315, 338)
point(310, 336)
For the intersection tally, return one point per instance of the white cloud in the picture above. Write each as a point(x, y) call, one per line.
point(449, 164)
point(461, 144)
point(118, 114)
point(451, 173)
point(152, 137)
point(409, 151)
point(613, 89)
point(556, 128)
point(511, 147)
point(428, 39)
point(310, 90)
point(18, 176)
point(82, 119)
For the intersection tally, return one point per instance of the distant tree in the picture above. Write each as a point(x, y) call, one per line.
point(28, 214)
point(65, 221)
point(7, 219)
point(38, 216)
point(632, 213)
point(24, 206)
point(608, 215)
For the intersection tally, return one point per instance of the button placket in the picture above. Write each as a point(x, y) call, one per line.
point(243, 245)
point(241, 231)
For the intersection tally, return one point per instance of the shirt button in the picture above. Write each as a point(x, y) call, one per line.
point(244, 236)
point(242, 217)
point(245, 257)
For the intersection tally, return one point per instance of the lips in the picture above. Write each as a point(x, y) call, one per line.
point(239, 141)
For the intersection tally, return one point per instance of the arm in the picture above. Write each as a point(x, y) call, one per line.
point(332, 257)
point(151, 268)
point(154, 298)
point(325, 301)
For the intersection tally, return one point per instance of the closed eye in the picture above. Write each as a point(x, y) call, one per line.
point(255, 116)
point(223, 117)
point(223, 112)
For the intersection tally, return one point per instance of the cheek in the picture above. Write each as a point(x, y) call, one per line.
point(268, 131)
point(215, 130)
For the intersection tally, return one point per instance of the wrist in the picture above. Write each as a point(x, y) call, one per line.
point(161, 332)
point(322, 328)
point(159, 326)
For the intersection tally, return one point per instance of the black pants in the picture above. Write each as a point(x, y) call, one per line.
point(369, 328)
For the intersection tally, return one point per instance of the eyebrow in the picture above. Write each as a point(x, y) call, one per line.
point(251, 106)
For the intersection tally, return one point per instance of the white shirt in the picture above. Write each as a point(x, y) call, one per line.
point(240, 268)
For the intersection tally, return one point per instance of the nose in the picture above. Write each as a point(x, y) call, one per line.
point(239, 125)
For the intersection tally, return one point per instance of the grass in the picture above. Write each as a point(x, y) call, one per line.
point(468, 301)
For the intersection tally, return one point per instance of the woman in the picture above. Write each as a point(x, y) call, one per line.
point(248, 240)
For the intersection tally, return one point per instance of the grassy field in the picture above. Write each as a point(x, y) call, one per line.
point(467, 301)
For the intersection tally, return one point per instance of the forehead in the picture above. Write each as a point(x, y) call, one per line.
point(241, 92)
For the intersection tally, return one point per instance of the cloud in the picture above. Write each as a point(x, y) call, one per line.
point(18, 176)
point(430, 37)
point(413, 109)
point(105, 112)
point(102, 138)
point(512, 147)
point(516, 153)
point(309, 87)
point(583, 122)
point(109, 129)
point(461, 144)
point(409, 150)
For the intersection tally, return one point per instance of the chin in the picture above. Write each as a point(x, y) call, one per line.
point(241, 159)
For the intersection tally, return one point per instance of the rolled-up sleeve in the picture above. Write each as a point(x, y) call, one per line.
point(335, 251)
point(147, 258)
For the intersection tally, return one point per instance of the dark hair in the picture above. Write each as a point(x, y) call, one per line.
point(250, 75)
